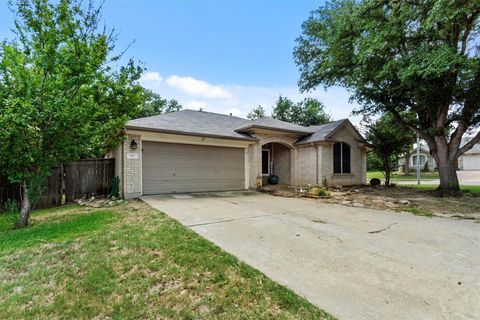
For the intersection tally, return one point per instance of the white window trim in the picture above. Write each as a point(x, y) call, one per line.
point(422, 155)
point(268, 163)
point(341, 159)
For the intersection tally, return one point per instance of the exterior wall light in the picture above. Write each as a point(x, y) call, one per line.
point(133, 145)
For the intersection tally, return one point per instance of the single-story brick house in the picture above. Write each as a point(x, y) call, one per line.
point(470, 160)
point(197, 151)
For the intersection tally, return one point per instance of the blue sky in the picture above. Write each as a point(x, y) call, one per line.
point(223, 56)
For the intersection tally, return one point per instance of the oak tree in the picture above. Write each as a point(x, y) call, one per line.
point(63, 93)
point(399, 57)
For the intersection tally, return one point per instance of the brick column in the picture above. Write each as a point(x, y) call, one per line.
point(132, 167)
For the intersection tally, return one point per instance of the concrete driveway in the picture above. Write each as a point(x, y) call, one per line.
point(355, 263)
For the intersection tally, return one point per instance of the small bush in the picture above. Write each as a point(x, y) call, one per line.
point(9, 207)
point(325, 182)
point(321, 192)
point(10, 210)
point(426, 167)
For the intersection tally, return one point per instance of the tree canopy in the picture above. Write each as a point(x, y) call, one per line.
point(257, 113)
point(308, 112)
point(389, 142)
point(153, 104)
point(400, 57)
point(61, 96)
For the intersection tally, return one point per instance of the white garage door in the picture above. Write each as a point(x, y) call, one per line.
point(172, 168)
point(471, 162)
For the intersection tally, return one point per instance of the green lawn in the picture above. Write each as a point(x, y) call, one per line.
point(130, 262)
point(472, 189)
point(402, 177)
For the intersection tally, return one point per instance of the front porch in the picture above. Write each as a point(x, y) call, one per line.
point(276, 161)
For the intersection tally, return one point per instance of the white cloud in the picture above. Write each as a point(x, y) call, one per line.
point(196, 87)
point(195, 104)
point(150, 78)
point(240, 100)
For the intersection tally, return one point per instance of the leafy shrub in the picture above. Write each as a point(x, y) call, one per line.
point(9, 207)
point(10, 210)
point(426, 167)
point(322, 192)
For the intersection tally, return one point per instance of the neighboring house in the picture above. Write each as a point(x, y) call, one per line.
point(470, 160)
point(196, 151)
point(424, 157)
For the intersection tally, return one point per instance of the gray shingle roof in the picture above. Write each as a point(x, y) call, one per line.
point(274, 124)
point(202, 123)
point(192, 122)
point(322, 132)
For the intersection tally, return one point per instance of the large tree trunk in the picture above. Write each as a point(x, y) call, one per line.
point(25, 208)
point(448, 176)
point(446, 170)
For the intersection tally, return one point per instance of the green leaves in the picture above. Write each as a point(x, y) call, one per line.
point(401, 57)
point(153, 104)
point(308, 112)
point(257, 113)
point(61, 98)
point(389, 141)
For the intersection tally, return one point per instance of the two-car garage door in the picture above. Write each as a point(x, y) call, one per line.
point(171, 168)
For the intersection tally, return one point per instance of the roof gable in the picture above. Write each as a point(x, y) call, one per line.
point(348, 124)
point(325, 131)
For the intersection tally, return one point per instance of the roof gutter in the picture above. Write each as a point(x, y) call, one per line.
point(315, 142)
point(244, 129)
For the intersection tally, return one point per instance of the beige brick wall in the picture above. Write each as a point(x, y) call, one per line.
point(358, 160)
point(132, 167)
point(254, 158)
point(307, 165)
point(312, 164)
point(282, 157)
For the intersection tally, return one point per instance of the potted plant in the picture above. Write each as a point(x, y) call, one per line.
point(272, 178)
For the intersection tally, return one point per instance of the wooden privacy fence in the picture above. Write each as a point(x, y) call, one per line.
point(83, 178)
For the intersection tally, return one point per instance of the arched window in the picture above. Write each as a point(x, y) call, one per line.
point(423, 159)
point(341, 157)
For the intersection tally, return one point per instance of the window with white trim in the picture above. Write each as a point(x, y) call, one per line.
point(423, 159)
point(341, 157)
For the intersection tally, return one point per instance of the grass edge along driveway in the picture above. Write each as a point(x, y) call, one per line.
point(130, 261)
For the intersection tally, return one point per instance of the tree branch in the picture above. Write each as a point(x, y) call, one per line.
point(468, 29)
point(469, 145)
point(456, 137)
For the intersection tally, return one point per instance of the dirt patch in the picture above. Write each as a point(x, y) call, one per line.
point(403, 199)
